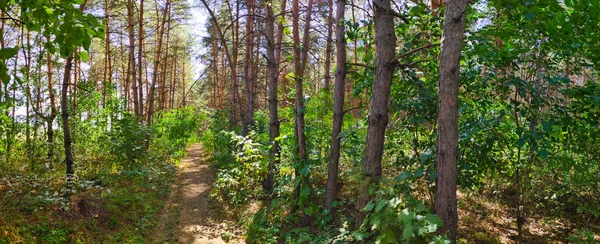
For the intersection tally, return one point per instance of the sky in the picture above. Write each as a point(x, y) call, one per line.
point(197, 30)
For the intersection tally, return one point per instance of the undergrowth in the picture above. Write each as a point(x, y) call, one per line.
point(120, 190)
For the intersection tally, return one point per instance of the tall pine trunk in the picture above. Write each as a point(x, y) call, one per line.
point(327, 77)
point(273, 115)
point(64, 105)
point(52, 116)
point(338, 107)
point(385, 38)
point(137, 108)
point(447, 141)
point(140, 56)
point(303, 192)
point(248, 67)
point(157, 60)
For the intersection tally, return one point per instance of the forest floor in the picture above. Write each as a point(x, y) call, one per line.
point(190, 216)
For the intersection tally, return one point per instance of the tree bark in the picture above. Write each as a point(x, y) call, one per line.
point(64, 105)
point(65, 122)
point(385, 38)
point(231, 60)
point(338, 107)
point(131, 63)
point(164, 80)
point(447, 141)
point(248, 67)
point(52, 115)
point(140, 56)
point(327, 77)
point(300, 58)
point(108, 65)
point(274, 123)
point(157, 63)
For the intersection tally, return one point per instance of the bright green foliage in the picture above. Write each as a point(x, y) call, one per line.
point(527, 128)
point(121, 186)
point(241, 181)
point(394, 220)
point(61, 20)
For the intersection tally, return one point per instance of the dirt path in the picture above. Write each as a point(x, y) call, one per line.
point(198, 219)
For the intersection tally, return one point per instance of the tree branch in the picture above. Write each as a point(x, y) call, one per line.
point(361, 65)
point(416, 50)
point(402, 17)
point(350, 109)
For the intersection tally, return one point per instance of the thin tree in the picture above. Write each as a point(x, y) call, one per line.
point(52, 116)
point(447, 141)
point(157, 59)
point(140, 56)
point(248, 68)
point(338, 106)
point(385, 38)
point(131, 62)
point(300, 59)
point(272, 89)
point(327, 77)
point(64, 105)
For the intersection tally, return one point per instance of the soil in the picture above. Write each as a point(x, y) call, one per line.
point(192, 215)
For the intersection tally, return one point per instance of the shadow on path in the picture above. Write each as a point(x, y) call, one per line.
point(201, 220)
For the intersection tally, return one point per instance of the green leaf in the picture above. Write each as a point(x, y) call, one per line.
point(403, 176)
point(432, 176)
point(380, 205)
point(394, 202)
point(4, 73)
point(304, 170)
point(421, 208)
point(521, 142)
point(408, 231)
point(83, 55)
point(388, 237)
point(369, 207)
point(6, 53)
point(434, 222)
point(375, 221)
point(87, 41)
point(530, 16)
point(290, 75)
point(305, 191)
point(407, 216)
point(308, 210)
point(49, 11)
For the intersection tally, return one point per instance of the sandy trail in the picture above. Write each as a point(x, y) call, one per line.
point(200, 220)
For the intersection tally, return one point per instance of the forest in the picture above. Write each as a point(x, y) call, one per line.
point(299, 121)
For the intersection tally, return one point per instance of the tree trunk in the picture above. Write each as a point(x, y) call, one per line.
point(300, 58)
point(27, 55)
point(447, 141)
point(65, 121)
point(50, 118)
point(338, 107)
point(131, 63)
point(385, 38)
point(157, 63)
point(273, 116)
point(232, 60)
point(248, 67)
point(163, 96)
point(107, 81)
point(64, 105)
point(140, 56)
point(327, 77)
